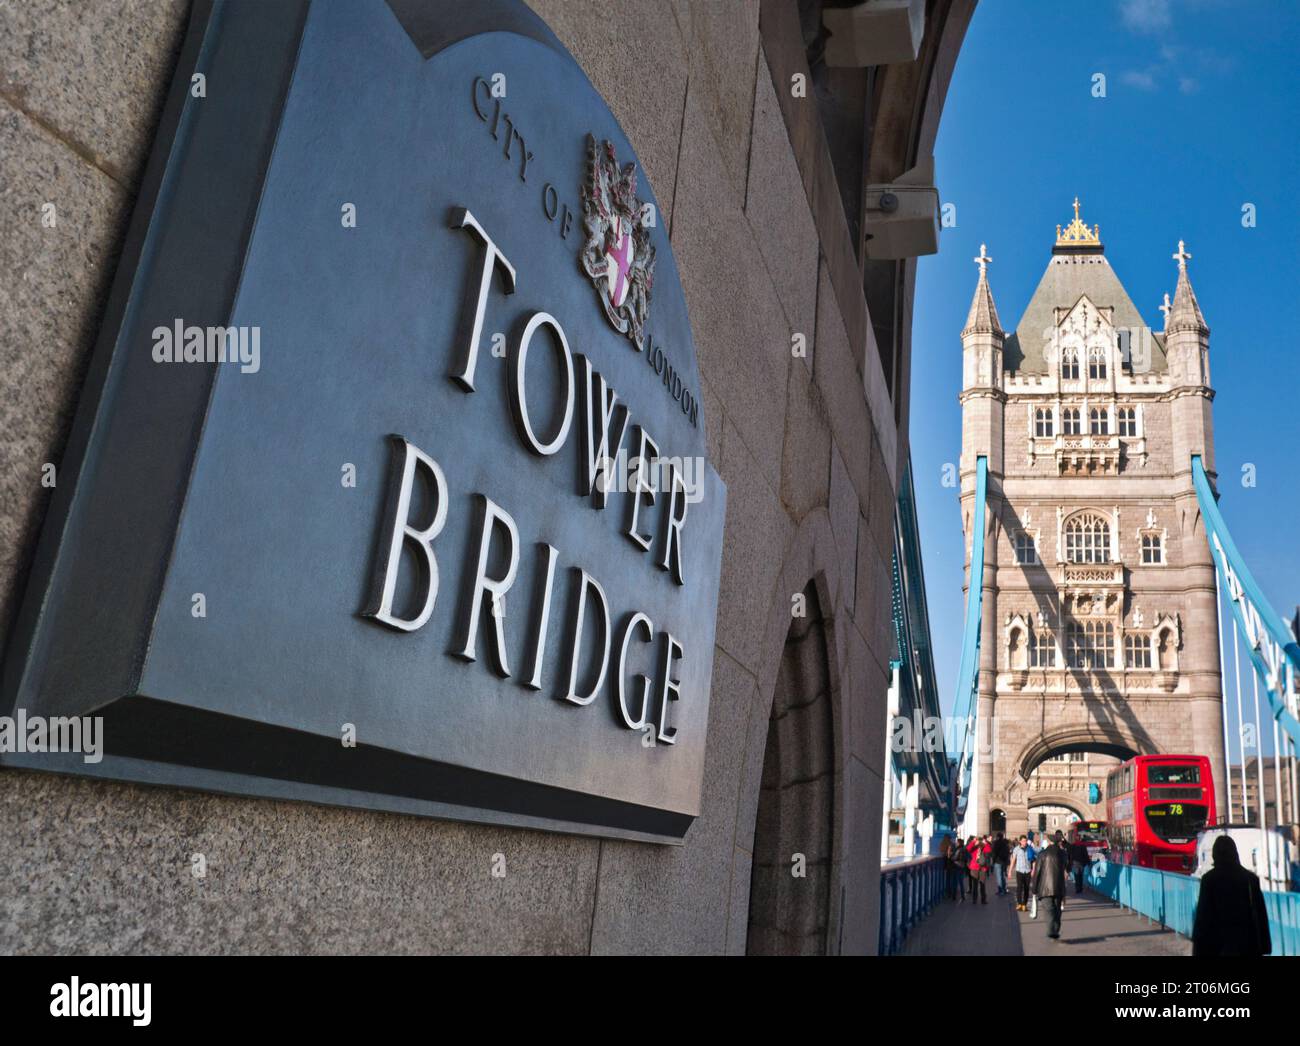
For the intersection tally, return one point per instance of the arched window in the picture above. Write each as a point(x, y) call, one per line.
point(1087, 539)
point(1128, 423)
point(1137, 650)
point(1070, 365)
point(1043, 421)
point(1099, 421)
point(1070, 421)
point(1096, 362)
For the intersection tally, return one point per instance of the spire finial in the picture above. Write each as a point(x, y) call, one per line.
point(1182, 257)
point(1077, 234)
point(983, 261)
point(1165, 308)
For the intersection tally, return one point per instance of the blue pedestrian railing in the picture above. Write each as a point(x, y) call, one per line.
point(1170, 900)
point(909, 890)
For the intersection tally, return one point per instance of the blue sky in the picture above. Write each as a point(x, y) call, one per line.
point(1201, 116)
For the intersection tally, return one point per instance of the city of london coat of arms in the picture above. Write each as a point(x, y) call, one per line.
point(617, 254)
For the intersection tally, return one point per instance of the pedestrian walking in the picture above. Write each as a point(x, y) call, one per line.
point(1078, 863)
point(1022, 861)
point(1001, 858)
point(981, 859)
point(957, 871)
point(1231, 918)
point(1049, 884)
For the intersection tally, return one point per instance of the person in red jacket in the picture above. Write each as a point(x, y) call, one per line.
point(980, 859)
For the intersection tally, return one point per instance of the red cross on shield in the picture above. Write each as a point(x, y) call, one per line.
point(618, 253)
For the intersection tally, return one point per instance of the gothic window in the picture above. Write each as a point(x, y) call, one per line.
point(1098, 421)
point(1091, 644)
point(1128, 422)
point(1042, 651)
point(1026, 551)
point(1097, 363)
point(1070, 421)
point(1087, 539)
point(1074, 645)
point(1102, 640)
point(1043, 421)
point(1153, 551)
point(1137, 650)
point(1070, 365)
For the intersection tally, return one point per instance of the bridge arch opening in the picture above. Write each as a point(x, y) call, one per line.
point(1111, 739)
point(1050, 813)
point(790, 887)
point(1063, 801)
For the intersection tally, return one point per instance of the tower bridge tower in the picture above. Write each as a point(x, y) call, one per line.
point(1100, 621)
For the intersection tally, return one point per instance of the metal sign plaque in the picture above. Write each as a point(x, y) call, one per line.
point(389, 484)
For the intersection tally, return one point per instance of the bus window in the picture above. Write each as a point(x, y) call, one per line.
point(1171, 775)
point(1176, 822)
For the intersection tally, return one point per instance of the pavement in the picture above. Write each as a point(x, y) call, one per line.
point(1090, 925)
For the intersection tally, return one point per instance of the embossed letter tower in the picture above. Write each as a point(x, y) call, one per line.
point(1100, 626)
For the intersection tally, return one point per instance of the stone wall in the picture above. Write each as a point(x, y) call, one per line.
point(106, 867)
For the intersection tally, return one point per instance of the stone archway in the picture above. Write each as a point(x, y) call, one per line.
point(1028, 785)
point(1114, 739)
point(1069, 802)
point(1041, 813)
point(792, 871)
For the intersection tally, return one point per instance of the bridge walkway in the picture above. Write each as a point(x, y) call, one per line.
point(1091, 925)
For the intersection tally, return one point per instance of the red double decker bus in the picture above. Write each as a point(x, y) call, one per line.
point(1155, 805)
point(1092, 834)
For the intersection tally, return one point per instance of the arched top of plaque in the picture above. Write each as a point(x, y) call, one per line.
point(572, 164)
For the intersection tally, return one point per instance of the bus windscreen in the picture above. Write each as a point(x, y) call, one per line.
point(1176, 822)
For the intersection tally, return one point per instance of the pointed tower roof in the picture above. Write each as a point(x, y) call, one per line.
point(983, 315)
point(1185, 314)
point(1078, 268)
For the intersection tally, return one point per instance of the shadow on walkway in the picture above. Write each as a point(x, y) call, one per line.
point(1091, 925)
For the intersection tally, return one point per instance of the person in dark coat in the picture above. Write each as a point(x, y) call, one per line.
point(1049, 884)
point(1078, 863)
point(1001, 858)
point(1231, 918)
point(957, 870)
